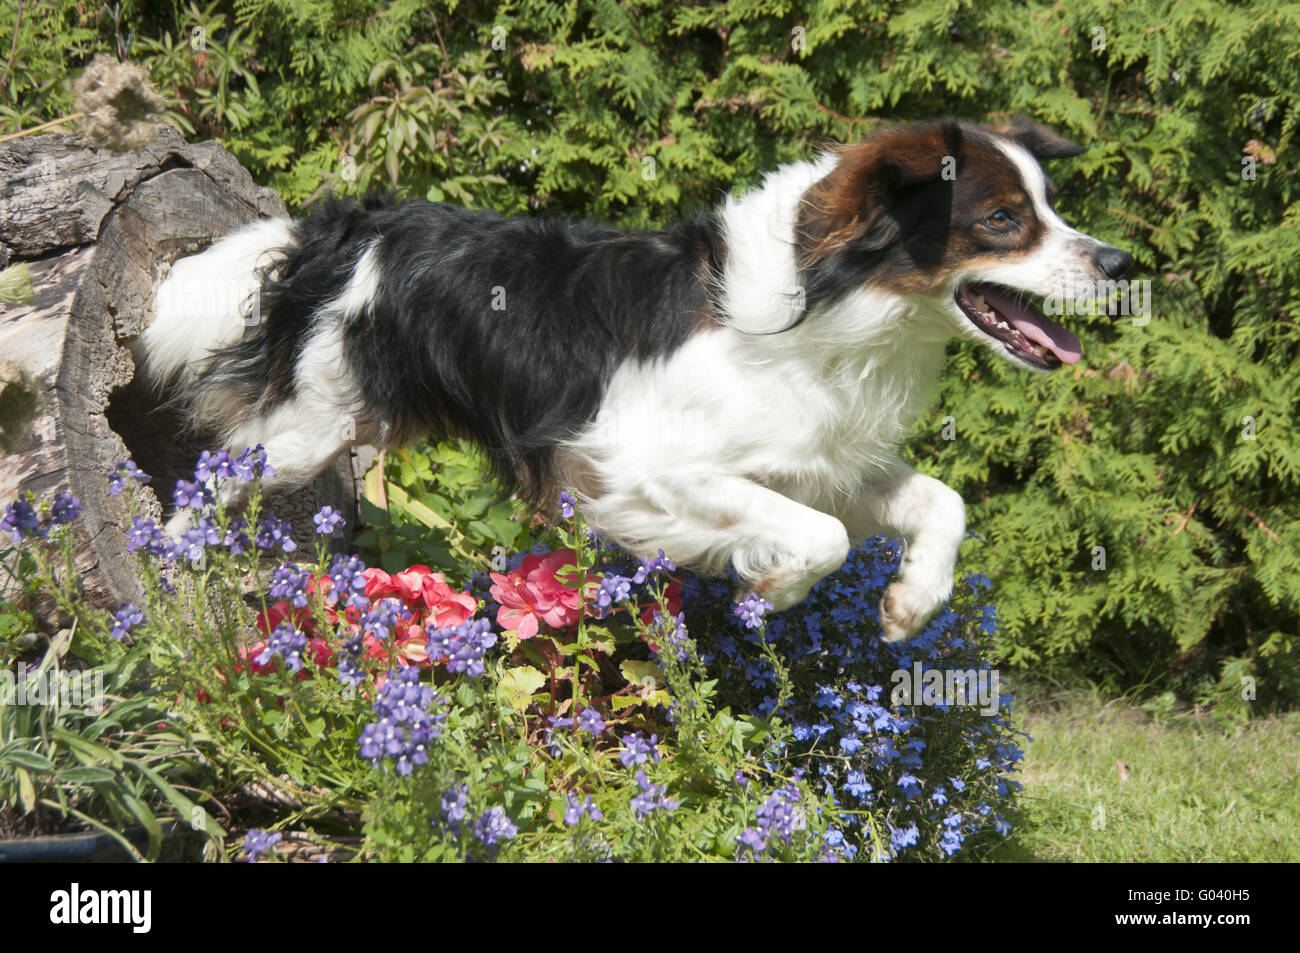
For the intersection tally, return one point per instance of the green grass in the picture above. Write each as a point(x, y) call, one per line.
point(1195, 790)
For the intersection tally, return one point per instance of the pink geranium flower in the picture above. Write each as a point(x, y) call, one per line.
point(433, 604)
point(538, 592)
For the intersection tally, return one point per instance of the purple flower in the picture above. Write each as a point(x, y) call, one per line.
point(613, 589)
point(252, 464)
point(660, 563)
point(289, 582)
point(192, 542)
point(192, 496)
point(637, 750)
point(752, 838)
point(904, 837)
point(20, 519)
point(286, 642)
point(381, 618)
point(212, 465)
point(125, 619)
point(494, 826)
point(454, 803)
point(651, 797)
point(856, 784)
point(589, 720)
point(347, 574)
point(778, 816)
point(566, 505)
point(910, 786)
point(143, 534)
point(671, 630)
point(349, 672)
point(407, 722)
point(118, 476)
point(66, 508)
point(272, 532)
point(463, 646)
point(257, 842)
point(329, 522)
point(951, 840)
point(574, 810)
point(751, 610)
point(236, 539)
point(555, 722)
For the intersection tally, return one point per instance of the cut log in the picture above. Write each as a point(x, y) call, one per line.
point(97, 230)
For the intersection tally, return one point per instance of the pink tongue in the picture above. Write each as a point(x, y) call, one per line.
point(1026, 319)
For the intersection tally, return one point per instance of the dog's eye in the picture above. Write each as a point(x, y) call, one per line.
point(1001, 219)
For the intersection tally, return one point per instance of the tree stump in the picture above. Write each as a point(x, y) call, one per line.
point(98, 230)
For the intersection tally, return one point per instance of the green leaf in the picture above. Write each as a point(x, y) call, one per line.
point(645, 675)
point(89, 751)
point(30, 760)
point(417, 509)
point(518, 684)
point(186, 809)
point(316, 728)
point(374, 515)
point(600, 639)
point(140, 811)
point(393, 560)
point(26, 791)
point(85, 774)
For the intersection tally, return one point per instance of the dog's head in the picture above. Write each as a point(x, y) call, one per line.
point(959, 219)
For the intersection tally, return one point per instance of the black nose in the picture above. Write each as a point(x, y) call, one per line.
point(1114, 263)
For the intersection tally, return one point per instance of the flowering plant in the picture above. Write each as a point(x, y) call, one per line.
point(576, 702)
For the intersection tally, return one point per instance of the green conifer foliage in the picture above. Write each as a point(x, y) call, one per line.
point(1138, 512)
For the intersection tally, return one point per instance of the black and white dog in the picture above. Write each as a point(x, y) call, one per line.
point(731, 390)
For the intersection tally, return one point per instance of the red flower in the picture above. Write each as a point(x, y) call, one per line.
point(285, 611)
point(248, 657)
point(321, 652)
point(538, 592)
point(426, 594)
point(673, 598)
point(432, 603)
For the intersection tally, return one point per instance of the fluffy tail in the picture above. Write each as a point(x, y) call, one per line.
point(208, 304)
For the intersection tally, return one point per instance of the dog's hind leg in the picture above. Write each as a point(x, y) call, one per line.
point(299, 446)
point(300, 442)
point(303, 434)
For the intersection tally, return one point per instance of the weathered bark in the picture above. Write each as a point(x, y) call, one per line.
point(96, 229)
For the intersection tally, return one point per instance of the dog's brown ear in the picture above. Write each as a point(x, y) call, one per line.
point(1041, 142)
point(911, 154)
point(850, 202)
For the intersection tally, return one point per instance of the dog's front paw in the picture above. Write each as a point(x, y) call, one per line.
point(903, 613)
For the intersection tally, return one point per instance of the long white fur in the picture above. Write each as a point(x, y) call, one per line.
point(200, 307)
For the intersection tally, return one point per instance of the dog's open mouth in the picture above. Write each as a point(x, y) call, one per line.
point(1007, 317)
